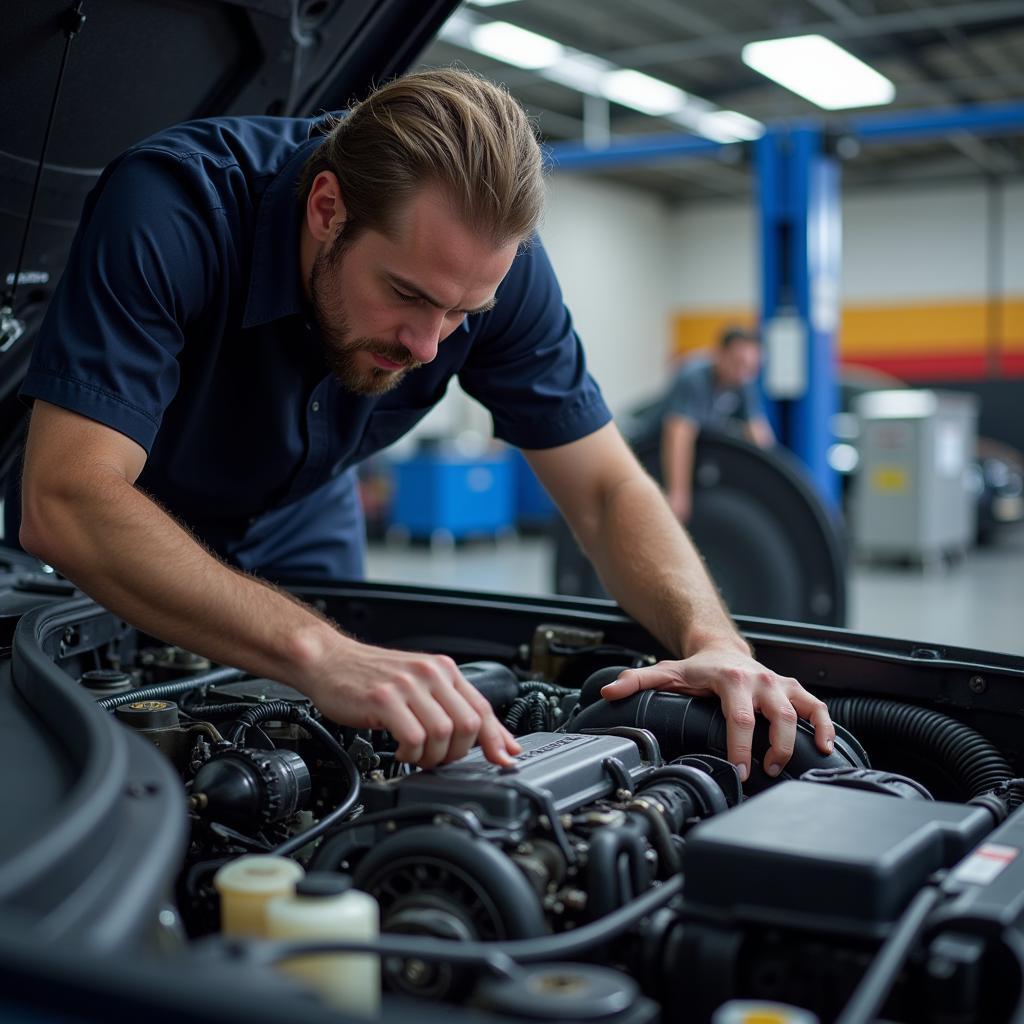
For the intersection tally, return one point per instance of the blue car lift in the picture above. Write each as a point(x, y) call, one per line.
point(800, 219)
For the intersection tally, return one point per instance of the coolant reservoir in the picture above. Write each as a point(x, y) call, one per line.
point(325, 906)
point(247, 885)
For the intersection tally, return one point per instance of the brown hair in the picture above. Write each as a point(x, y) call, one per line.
point(446, 127)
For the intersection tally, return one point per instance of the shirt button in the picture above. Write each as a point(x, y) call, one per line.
point(316, 407)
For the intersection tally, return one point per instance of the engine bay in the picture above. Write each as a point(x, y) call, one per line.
point(619, 870)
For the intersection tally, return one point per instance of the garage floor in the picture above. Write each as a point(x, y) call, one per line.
point(979, 603)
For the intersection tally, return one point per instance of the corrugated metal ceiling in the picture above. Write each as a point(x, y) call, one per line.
point(938, 54)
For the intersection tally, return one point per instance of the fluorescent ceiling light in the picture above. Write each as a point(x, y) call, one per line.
point(514, 45)
point(579, 71)
point(490, 3)
point(642, 92)
point(596, 76)
point(817, 69)
point(728, 126)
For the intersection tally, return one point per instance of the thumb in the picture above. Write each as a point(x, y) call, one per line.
point(633, 680)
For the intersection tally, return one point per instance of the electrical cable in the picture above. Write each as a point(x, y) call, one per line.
point(560, 947)
point(212, 678)
point(870, 995)
point(328, 821)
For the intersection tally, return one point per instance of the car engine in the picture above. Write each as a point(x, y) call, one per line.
point(619, 871)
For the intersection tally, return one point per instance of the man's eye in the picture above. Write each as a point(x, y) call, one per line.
point(404, 297)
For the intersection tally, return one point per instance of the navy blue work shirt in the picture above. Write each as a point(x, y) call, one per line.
point(181, 321)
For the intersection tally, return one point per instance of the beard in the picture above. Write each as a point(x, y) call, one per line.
point(341, 351)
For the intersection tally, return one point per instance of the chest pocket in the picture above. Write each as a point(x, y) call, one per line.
point(386, 427)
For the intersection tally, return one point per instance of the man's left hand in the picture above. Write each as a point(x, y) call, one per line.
point(744, 687)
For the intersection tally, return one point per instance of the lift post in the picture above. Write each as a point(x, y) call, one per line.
point(801, 239)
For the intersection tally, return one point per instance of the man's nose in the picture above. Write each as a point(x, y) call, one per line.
point(422, 336)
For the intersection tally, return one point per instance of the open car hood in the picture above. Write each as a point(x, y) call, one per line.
point(135, 68)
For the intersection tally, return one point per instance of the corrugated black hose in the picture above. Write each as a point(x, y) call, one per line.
point(212, 678)
point(957, 748)
point(529, 713)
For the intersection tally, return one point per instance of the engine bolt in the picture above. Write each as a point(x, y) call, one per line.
point(415, 971)
point(977, 684)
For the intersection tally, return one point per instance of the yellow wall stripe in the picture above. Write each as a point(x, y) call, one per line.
point(888, 331)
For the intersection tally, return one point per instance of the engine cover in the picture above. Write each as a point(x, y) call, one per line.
point(566, 770)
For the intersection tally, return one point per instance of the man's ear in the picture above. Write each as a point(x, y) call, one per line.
point(325, 208)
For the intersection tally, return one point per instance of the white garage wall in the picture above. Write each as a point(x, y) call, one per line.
point(1013, 263)
point(611, 248)
point(715, 262)
point(898, 244)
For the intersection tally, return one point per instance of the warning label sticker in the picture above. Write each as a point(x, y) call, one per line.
point(985, 864)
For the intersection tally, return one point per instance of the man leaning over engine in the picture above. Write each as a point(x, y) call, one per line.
point(252, 306)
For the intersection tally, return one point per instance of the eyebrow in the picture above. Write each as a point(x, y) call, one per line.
point(421, 294)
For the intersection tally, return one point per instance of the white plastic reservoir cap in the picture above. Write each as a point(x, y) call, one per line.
point(246, 886)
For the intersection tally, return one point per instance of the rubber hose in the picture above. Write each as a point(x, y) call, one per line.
point(659, 836)
point(218, 675)
point(694, 783)
point(579, 942)
point(514, 717)
point(330, 820)
point(612, 883)
point(215, 710)
point(548, 689)
point(281, 710)
point(970, 758)
point(538, 714)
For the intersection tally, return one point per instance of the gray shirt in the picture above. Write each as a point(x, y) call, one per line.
point(694, 395)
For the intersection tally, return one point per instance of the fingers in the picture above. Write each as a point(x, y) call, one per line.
point(816, 712)
point(454, 716)
point(660, 676)
point(404, 726)
point(498, 744)
point(738, 709)
point(775, 705)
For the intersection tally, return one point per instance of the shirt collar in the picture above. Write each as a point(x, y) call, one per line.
point(275, 281)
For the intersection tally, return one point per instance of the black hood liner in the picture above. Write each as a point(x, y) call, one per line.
point(137, 67)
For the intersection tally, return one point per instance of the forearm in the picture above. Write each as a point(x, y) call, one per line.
point(128, 554)
point(678, 441)
point(660, 580)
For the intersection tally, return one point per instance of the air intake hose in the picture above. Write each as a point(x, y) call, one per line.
point(954, 747)
point(696, 725)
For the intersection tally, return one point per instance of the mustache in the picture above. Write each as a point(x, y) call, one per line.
point(393, 353)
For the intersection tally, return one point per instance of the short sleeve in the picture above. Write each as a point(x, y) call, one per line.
point(526, 364)
point(138, 272)
point(686, 398)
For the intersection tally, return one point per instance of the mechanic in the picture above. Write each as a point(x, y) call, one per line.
point(249, 309)
point(717, 392)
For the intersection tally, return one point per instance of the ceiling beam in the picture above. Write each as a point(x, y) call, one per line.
point(730, 43)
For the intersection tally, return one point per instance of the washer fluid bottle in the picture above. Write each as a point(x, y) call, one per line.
point(325, 906)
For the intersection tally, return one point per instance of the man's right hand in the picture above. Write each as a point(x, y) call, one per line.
point(83, 515)
point(421, 699)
